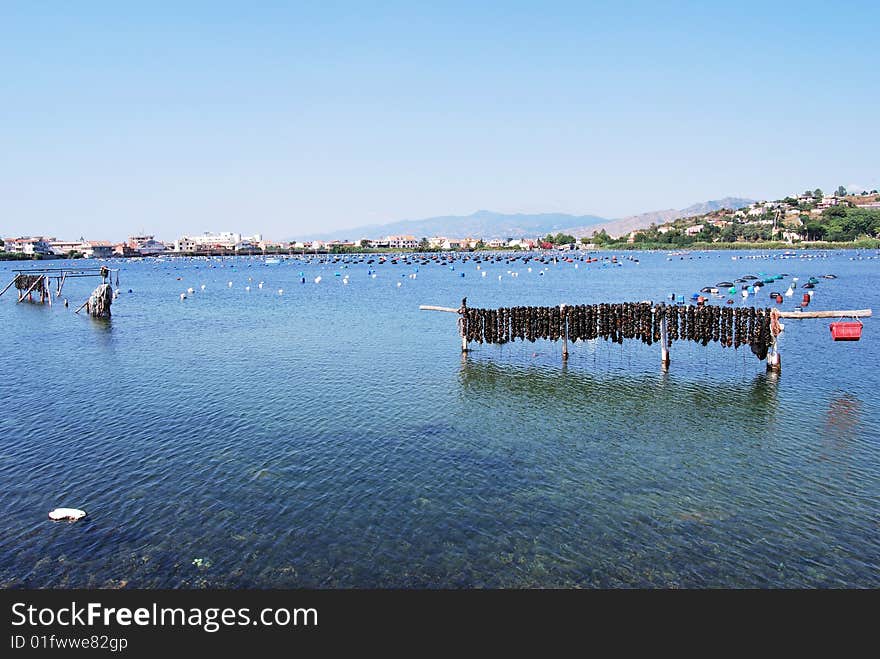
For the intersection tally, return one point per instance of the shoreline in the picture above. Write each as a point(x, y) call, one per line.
point(869, 243)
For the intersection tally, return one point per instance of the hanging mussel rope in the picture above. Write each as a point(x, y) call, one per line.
point(26, 282)
point(616, 322)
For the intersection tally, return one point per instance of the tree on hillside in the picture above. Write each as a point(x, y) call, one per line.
point(841, 191)
point(365, 243)
point(818, 194)
point(601, 237)
point(424, 245)
point(585, 241)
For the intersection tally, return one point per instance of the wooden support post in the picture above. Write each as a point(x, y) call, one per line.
point(462, 325)
point(60, 284)
point(664, 345)
point(774, 360)
point(564, 333)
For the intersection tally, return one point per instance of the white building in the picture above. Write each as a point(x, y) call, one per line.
point(146, 245)
point(64, 247)
point(207, 240)
point(28, 245)
point(402, 242)
point(694, 230)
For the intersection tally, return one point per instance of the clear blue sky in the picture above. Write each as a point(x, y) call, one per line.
point(291, 118)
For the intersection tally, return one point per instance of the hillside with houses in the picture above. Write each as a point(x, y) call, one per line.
point(811, 217)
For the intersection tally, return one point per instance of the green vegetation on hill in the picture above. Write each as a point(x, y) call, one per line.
point(810, 218)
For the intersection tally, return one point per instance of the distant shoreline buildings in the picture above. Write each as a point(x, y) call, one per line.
point(790, 220)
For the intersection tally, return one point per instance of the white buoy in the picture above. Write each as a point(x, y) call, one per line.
point(530, 269)
point(399, 284)
point(260, 285)
point(745, 294)
point(183, 296)
point(203, 287)
point(484, 273)
point(499, 277)
point(72, 514)
point(345, 281)
point(318, 279)
point(789, 292)
point(229, 284)
point(247, 288)
point(280, 291)
point(373, 275)
point(190, 290)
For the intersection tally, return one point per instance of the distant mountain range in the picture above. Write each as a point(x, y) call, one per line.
point(488, 224)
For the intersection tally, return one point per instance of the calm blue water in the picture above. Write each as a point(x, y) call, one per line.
point(333, 436)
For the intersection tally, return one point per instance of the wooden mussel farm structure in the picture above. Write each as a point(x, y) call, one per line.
point(39, 281)
point(663, 324)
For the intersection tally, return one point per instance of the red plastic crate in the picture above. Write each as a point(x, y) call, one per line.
point(846, 331)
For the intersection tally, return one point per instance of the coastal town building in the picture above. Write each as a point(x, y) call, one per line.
point(223, 240)
point(146, 245)
point(97, 249)
point(402, 242)
point(32, 246)
point(65, 247)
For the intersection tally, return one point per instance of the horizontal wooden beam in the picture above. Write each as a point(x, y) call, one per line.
point(428, 307)
point(853, 313)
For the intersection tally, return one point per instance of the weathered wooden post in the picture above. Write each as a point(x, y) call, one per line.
point(564, 332)
point(462, 325)
point(774, 360)
point(664, 342)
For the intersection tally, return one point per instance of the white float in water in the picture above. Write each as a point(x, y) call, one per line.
point(345, 281)
point(260, 285)
point(229, 284)
point(789, 292)
point(373, 276)
point(247, 288)
point(318, 279)
point(190, 290)
point(280, 291)
point(530, 269)
point(399, 284)
point(183, 296)
point(484, 273)
point(72, 514)
point(203, 287)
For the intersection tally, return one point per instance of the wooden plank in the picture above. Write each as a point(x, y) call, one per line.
point(15, 279)
point(854, 313)
point(428, 307)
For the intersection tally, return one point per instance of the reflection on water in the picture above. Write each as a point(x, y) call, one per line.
point(617, 397)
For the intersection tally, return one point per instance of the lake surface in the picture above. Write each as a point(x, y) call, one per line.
point(333, 435)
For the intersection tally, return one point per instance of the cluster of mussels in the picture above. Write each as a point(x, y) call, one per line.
point(616, 322)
